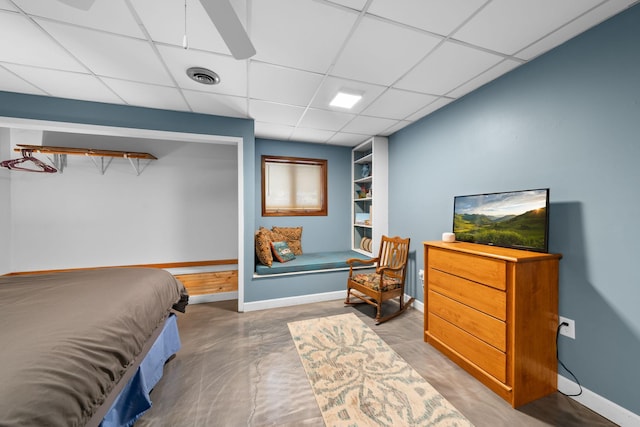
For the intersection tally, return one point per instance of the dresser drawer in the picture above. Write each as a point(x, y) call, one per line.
point(489, 271)
point(486, 357)
point(484, 298)
point(484, 327)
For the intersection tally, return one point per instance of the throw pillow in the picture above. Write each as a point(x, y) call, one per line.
point(263, 246)
point(282, 252)
point(293, 237)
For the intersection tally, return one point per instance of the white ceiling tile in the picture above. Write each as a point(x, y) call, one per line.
point(347, 139)
point(34, 46)
point(508, 26)
point(380, 52)
point(395, 128)
point(398, 104)
point(65, 84)
point(10, 82)
point(146, 95)
point(325, 120)
point(280, 84)
point(436, 105)
point(262, 111)
point(106, 15)
point(7, 5)
point(311, 135)
point(572, 29)
point(296, 33)
point(369, 125)
point(272, 131)
point(110, 55)
point(437, 16)
point(489, 75)
point(450, 65)
point(352, 4)
point(219, 105)
point(233, 73)
point(332, 85)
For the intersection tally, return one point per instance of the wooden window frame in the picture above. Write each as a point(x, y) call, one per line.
point(322, 211)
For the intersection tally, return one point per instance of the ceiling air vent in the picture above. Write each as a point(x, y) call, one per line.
point(203, 76)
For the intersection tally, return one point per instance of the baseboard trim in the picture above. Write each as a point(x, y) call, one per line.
point(220, 296)
point(608, 409)
point(290, 301)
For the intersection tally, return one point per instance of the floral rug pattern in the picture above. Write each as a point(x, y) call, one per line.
point(358, 380)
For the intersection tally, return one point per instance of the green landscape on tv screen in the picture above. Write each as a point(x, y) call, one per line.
point(515, 219)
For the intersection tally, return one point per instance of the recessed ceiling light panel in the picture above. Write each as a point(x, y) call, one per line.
point(345, 100)
point(203, 76)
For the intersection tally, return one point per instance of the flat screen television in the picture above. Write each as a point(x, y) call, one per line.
point(512, 219)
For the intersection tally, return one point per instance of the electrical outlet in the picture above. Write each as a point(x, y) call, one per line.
point(568, 331)
point(421, 274)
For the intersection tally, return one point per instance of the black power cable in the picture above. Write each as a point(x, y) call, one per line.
point(563, 365)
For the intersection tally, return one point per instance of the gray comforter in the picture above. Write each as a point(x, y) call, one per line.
point(67, 338)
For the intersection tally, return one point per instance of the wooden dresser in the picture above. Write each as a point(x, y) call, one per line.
point(494, 311)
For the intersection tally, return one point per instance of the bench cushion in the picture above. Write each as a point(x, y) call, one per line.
point(310, 262)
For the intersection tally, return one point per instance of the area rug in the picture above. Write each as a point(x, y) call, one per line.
point(358, 380)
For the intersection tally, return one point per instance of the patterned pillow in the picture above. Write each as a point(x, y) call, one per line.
point(293, 237)
point(263, 246)
point(282, 252)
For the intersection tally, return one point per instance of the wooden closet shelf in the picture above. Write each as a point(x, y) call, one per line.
point(46, 149)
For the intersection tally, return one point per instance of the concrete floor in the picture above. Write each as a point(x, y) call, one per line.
point(242, 369)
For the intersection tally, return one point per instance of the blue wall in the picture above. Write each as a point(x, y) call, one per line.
point(319, 233)
point(570, 121)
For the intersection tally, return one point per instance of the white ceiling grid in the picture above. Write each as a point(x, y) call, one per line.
point(407, 58)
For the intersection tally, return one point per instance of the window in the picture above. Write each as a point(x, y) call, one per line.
point(293, 186)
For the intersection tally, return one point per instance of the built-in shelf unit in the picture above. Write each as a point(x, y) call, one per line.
point(369, 174)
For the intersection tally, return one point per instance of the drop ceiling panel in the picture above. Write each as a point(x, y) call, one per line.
point(280, 114)
point(380, 52)
point(12, 83)
point(106, 15)
point(64, 84)
point(216, 104)
point(347, 139)
point(395, 128)
point(281, 84)
point(398, 104)
point(311, 135)
point(7, 5)
point(528, 21)
point(450, 65)
point(438, 16)
point(273, 131)
point(573, 28)
point(110, 55)
point(146, 95)
point(325, 120)
point(233, 74)
point(352, 4)
point(35, 47)
point(489, 75)
point(332, 85)
point(302, 34)
point(436, 105)
point(369, 125)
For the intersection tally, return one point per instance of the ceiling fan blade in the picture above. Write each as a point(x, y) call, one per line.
point(79, 4)
point(230, 28)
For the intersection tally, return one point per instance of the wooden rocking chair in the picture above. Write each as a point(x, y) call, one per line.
point(388, 280)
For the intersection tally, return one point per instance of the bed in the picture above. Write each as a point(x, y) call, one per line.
point(72, 341)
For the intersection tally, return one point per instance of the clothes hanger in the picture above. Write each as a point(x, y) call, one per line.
point(40, 166)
